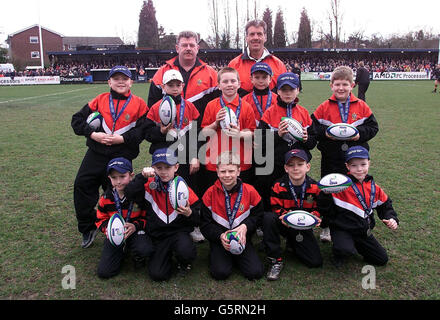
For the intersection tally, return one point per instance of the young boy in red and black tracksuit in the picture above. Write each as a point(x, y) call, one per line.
point(231, 205)
point(121, 132)
point(294, 191)
point(343, 107)
point(351, 217)
point(168, 228)
point(113, 201)
point(288, 89)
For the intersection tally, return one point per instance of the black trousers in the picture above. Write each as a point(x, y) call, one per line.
point(307, 250)
point(346, 244)
point(362, 89)
point(263, 184)
point(221, 262)
point(112, 257)
point(180, 245)
point(91, 175)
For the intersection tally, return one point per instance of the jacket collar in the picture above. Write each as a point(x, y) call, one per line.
point(282, 104)
point(246, 55)
point(234, 189)
point(367, 178)
point(353, 98)
point(285, 179)
point(119, 96)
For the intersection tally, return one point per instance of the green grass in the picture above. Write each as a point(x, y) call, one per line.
point(40, 156)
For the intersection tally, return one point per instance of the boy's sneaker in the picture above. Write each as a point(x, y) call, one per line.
point(325, 235)
point(197, 236)
point(182, 269)
point(275, 267)
point(88, 238)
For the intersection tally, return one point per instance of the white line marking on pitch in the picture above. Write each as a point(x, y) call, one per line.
point(44, 96)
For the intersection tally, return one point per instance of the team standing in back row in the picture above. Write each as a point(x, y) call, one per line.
point(227, 200)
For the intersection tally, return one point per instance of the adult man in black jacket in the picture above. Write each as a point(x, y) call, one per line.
point(362, 80)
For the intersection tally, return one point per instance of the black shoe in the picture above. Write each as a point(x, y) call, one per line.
point(182, 270)
point(338, 262)
point(434, 91)
point(275, 267)
point(88, 238)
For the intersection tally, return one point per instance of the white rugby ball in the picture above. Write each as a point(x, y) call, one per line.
point(229, 119)
point(295, 130)
point(334, 183)
point(115, 230)
point(178, 192)
point(94, 120)
point(235, 246)
point(342, 131)
point(167, 110)
point(300, 220)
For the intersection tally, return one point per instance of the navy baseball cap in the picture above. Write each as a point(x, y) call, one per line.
point(356, 152)
point(299, 153)
point(164, 156)
point(288, 78)
point(263, 67)
point(121, 165)
point(119, 69)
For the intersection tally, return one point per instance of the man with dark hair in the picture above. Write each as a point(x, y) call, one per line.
point(256, 36)
point(362, 80)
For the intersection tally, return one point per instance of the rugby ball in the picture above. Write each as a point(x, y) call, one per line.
point(334, 183)
point(94, 120)
point(236, 247)
point(229, 119)
point(178, 192)
point(342, 131)
point(295, 130)
point(300, 220)
point(115, 230)
point(167, 110)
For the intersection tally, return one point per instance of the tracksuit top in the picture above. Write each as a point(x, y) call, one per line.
point(130, 124)
point(200, 88)
point(282, 200)
point(347, 212)
point(436, 74)
point(223, 143)
point(262, 96)
point(162, 219)
point(271, 121)
point(214, 218)
point(107, 208)
point(158, 140)
point(360, 116)
point(243, 64)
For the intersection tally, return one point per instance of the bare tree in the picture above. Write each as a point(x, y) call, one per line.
point(335, 18)
point(215, 22)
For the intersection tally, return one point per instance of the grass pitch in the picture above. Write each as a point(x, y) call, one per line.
point(40, 156)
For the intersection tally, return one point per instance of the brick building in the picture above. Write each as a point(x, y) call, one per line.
point(24, 45)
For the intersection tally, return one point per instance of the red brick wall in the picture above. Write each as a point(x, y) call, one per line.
point(21, 47)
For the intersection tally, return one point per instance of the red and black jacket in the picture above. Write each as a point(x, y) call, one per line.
point(214, 219)
point(158, 140)
point(130, 125)
point(360, 116)
point(271, 120)
point(347, 213)
point(162, 219)
point(262, 96)
point(282, 201)
point(107, 208)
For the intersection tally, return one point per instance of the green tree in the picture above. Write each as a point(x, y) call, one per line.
point(267, 17)
point(148, 35)
point(304, 31)
point(3, 55)
point(279, 32)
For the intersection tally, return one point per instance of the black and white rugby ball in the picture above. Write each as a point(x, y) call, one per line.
point(334, 183)
point(229, 119)
point(94, 120)
point(295, 130)
point(167, 110)
point(115, 230)
point(235, 246)
point(300, 220)
point(178, 192)
point(342, 131)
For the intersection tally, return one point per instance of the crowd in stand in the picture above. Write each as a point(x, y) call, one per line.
point(307, 64)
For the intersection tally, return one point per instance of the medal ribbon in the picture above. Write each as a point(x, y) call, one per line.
point(302, 196)
point(289, 109)
point(368, 210)
point(237, 112)
point(113, 112)
point(119, 208)
point(344, 109)
point(181, 115)
point(232, 212)
point(258, 105)
point(160, 185)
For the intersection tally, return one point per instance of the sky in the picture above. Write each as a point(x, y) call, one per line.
point(121, 17)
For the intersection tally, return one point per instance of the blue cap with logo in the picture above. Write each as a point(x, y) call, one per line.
point(119, 69)
point(263, 67)
point(121, 165)
point(299, 153)
point(288, 78)
point(356, 152)
point(164, 156)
